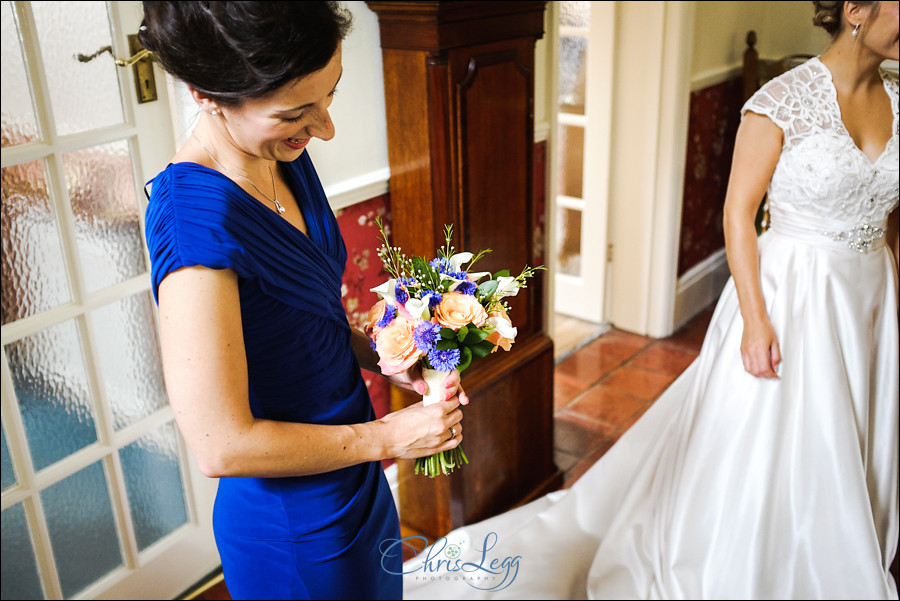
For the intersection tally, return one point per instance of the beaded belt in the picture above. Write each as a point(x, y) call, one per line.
point(859, 237)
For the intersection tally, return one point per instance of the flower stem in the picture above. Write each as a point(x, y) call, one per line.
point(441, 463)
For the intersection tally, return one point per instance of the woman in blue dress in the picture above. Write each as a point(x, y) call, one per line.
point(261, 365)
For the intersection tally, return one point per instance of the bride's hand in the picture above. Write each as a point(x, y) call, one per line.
point(759, 349)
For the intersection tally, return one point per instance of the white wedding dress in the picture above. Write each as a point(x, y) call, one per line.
point(730, 486)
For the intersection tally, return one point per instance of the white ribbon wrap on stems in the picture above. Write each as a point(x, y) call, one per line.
point(435, 379)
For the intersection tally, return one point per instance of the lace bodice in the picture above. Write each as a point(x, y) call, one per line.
point(821, 171)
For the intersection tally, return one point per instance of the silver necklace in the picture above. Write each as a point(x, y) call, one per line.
point(278, 205)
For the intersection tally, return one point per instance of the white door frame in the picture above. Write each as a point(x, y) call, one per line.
point(635, 150)
point(649, 137)
point(181, 558)
point(584, 296)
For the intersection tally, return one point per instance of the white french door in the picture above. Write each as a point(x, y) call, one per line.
point(100, 498)
point(584, 63)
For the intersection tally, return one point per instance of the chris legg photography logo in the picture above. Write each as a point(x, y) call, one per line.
point(443, 561)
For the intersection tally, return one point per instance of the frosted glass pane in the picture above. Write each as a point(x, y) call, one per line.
point(9, 475)
point(575, 14)
point(570, 176)
point(153, 481)
point(128, 353)
point(51, 386)
point(19, 123)
point(20, 576)
point(568, 236)
point(34, 273)
point(82, 530)
point(101, 189)
point(84, 95)
point(572, 69)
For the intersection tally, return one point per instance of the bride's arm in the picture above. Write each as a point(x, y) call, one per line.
point(756, 151)
point(206, 378)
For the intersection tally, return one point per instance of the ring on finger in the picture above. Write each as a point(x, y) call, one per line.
point(452, 432)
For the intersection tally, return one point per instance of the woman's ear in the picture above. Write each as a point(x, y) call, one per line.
point(854, 14)
point(206, 104)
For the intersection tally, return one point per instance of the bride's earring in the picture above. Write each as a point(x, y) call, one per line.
point(855, 30)
point(215, 112)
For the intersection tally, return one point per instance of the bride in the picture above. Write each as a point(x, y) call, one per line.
point(769, 469)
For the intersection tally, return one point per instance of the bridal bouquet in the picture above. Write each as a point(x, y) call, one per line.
point(437, 313)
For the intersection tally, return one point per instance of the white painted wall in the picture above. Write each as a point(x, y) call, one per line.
point(720, 31)
point(357, 157)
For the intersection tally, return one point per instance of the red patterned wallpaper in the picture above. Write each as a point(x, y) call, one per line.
point(712, 125)
point(364, 272)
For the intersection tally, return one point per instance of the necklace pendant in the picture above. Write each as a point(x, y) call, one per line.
point(279, 207)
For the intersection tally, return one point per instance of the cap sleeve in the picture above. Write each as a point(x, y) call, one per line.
point(187, 225)
point(771, 100)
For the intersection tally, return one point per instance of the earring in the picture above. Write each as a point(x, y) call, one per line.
point(855, 30)
point(215, 112)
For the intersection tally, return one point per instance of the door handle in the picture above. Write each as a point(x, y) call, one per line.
point(141, 62)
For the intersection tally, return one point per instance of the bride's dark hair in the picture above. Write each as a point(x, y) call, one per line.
point(232, 51)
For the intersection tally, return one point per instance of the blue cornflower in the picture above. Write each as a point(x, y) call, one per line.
point(434, 298)
point(390, 312)
point(426, 335)
point(444, 360)
point(372, 345)
point(467, 287)
point(400, 294)
point(441, 265)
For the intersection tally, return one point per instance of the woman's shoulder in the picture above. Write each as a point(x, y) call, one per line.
point(803, 93)
point(193, 217)
point(183, 180)
point(188, 203)
point(802, 80)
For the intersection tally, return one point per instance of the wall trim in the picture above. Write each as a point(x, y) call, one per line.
point(358, 189)
point(712, 77)
point(699, 286)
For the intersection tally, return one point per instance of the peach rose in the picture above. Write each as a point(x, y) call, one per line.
point(395, 346)
point(375, 315)
point(458, 309)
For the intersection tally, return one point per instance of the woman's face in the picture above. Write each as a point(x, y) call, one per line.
point(280, 125)
point(883, 32)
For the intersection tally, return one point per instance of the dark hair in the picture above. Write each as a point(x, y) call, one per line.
point(830, 15)
point(232, 51)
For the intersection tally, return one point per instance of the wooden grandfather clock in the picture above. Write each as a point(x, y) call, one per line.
point(459, 92)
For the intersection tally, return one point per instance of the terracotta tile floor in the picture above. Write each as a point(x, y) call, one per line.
point(601, 389)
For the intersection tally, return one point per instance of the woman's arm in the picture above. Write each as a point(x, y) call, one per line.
point(756, 151)
point(206, 377)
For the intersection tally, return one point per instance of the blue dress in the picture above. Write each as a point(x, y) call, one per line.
point(310, 537)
